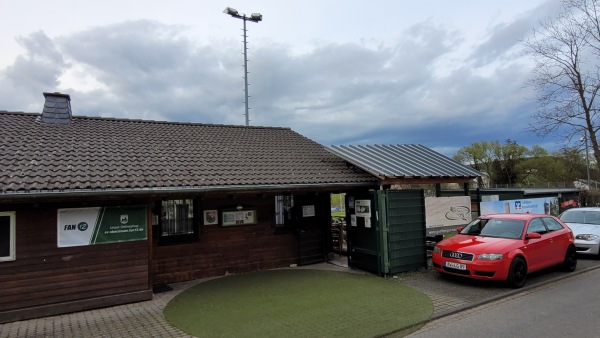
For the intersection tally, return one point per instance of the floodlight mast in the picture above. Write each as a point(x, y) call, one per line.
point(254, 17)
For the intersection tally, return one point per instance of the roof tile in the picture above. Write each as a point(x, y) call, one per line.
point(107, 153)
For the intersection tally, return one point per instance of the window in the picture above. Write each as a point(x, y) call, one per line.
point(536, 225)
point(501, 228)
point(283, 210)
point(177, 219)
point(552, 224)
point(7, 236)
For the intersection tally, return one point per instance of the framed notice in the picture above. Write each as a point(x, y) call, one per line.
point(363, 208)
point(308, 211)
point(211, 217)
point(238, 217)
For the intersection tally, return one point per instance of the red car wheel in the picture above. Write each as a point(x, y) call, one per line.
point(517, 273)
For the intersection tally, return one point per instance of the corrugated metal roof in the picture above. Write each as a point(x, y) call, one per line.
point(402, 161)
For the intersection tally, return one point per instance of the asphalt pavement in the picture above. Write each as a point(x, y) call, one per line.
point(567, 307)
point(452, 294)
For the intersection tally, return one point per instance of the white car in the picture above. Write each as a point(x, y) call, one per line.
point(585, 224)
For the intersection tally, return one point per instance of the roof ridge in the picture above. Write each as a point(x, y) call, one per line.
point(83, 117)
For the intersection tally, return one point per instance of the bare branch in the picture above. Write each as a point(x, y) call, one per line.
point(566, 52)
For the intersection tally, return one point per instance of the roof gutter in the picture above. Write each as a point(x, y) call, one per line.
point(35, 195)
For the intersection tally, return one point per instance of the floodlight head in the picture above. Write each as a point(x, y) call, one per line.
point(256, 17)
point(230, 11)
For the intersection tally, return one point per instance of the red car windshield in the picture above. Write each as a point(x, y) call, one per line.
point(493, 227)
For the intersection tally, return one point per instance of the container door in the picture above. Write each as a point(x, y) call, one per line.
point(403, 232)
point(362, 232)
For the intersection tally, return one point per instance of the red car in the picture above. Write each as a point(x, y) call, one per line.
point(506, 247)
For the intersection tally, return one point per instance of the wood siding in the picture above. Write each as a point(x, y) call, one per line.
point(236, 249)
point(45, 275)
point(47, 280)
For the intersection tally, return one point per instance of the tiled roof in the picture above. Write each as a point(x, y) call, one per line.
point(403, 161)
point(105, 153)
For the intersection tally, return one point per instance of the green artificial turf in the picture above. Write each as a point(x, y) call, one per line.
point(297, 303)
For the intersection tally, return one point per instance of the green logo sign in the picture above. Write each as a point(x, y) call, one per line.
point(82, 226)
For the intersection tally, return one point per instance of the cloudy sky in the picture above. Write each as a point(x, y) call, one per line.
point(440, 73)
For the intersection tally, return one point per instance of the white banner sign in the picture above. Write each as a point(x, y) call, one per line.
point(546, 205)
point(97, 225)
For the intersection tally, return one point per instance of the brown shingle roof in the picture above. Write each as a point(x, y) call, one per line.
point(106, 153)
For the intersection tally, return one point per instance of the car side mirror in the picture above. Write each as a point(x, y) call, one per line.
point(459, 229)
point(533, 235)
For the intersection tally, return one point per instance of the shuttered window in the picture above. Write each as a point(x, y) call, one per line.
point(177, 220)
point(283, 210)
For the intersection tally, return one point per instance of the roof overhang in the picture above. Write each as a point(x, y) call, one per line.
point(165, 191)
point(425, 180)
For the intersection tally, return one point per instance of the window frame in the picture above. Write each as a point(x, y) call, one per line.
point(12, 233)
point(178, 238)
point(284, 213)
point(541, 222)
point(551, 222)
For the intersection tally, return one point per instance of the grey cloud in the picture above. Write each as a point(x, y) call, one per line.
point(40, 66)
point(32, 73)
point(507, 36)
point(151, 68)
point(334, 94)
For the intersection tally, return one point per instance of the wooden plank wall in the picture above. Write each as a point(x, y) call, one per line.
point(44, 274)
point(222, 250)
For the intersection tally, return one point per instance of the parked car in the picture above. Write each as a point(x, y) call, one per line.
point(506, 247)
point(585, 223)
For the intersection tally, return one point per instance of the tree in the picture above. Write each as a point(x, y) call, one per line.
point(501, 162)
point(538, 166)
point(565, 165)
point(566, 52)
point(508, 157)
point(479, 156)
point(513, 164)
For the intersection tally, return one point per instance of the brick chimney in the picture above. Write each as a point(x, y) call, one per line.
point(57, 109)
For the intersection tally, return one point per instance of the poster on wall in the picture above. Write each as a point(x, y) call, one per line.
point(546, 205)
point(211, 217)
point(444, 214)
point(353, 220)
point(568, 203)
point(239, 217)
point(362, 208)
point(100, 225)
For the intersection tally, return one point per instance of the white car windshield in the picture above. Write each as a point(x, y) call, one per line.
point(581, 216)
point(491, 227)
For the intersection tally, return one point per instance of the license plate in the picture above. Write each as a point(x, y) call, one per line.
point(455, 265)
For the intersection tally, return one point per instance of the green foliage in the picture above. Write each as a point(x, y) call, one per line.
point(338, 214)
point(512, 164)
point(507, 157)
point(338, 200)
point(479, 155)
